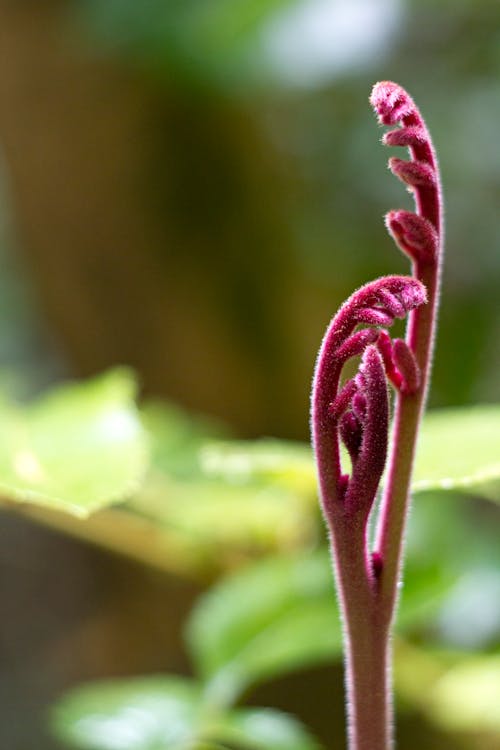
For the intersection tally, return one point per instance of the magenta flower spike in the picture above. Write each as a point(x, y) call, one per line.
point(355, 413)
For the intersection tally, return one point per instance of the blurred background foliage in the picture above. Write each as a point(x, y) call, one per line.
point(191, 188)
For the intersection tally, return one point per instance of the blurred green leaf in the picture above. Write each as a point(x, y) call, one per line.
point(265, 729)
point(264, 621)
point(77, 449)
point(177, 438)
point(167, 713)
point(219, 523)
point(281, 614)
point(186, 519)
point(217, 518)
point(155, 713)
point(460, 449)
point(267, 460)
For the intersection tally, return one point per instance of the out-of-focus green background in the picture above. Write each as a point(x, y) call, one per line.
point(192, 187)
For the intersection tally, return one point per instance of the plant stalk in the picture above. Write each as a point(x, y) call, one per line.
point(366, 646)
point(358, 413)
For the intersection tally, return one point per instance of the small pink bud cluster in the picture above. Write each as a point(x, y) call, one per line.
point(358, 411)
point(417, 234)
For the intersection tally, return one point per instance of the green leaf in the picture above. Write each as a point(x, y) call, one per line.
point(177, 438)
point(77, 449)
point(155, 713)
point(264, 621)
point(281, 614)
point(267, 461)
point(167, 713)
point(219, 523)
point(213, 514)
point(265, 729)
point(459, 449)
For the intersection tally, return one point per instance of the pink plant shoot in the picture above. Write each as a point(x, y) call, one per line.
point(355, 413)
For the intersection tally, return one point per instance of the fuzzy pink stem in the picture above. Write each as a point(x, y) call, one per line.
point(420, 236)
point(348, 500)
point(393, 105)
